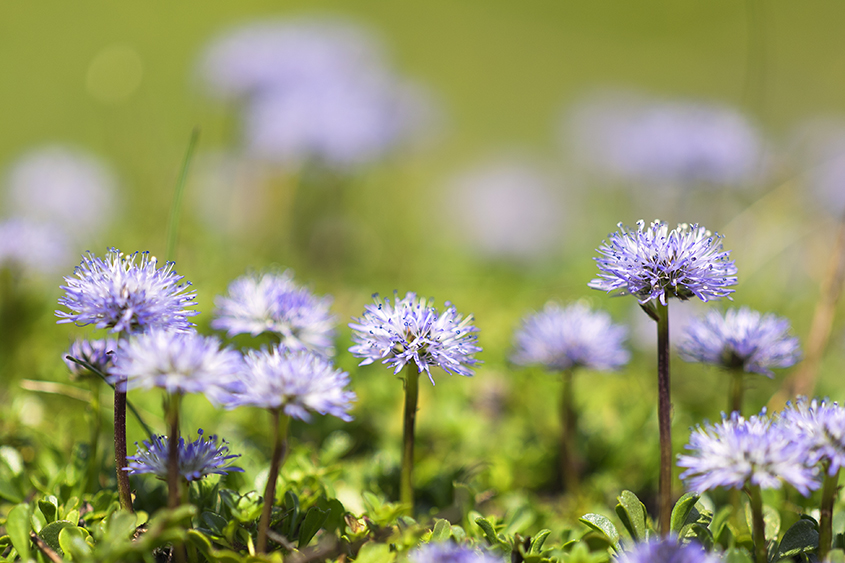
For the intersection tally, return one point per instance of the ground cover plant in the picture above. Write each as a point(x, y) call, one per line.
point(291, 351)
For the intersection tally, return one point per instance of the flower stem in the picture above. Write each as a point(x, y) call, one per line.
point(280, 445)
point(172, 409)
point(569, 424)
point(664, 415)
point(96, 425)
point(758, 525)
point(829, 489)
point(735, 401)
point(124, 491)
point(406, 483)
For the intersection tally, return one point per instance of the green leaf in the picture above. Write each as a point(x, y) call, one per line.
point(702, 534)
point(771, 519)
point(682, 509)
point(49, 508)
point(292, 512)
point(50, 533)
point(538, 540)
point(201, 542)
point(490, 533)
point(604, 526)
point(215, 522)
point(372, 552)
point(73, 542)
point(442, 530)
point(10, 490)
point(18, 525)
point(801, 537)
point(736, 555)
point(311, 524)
point(633, 515)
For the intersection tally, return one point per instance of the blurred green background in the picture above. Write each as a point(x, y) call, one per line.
point(120, 80)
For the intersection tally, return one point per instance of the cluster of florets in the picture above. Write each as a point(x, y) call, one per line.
point(561, 338)
point(412, 330)
point(197, 459)
point(741, 339)
point(654, 263)
point(90, 357)
point(767, 451)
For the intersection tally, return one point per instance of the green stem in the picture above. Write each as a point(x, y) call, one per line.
point(569, 424)
point(176, 206)
point(664, 415)
point(406, 482)
point(124, 490)
point(173, 481)
point(95, 423)
point(280, 444)
point(829, 490)
point(735, 401)
point(758, 525)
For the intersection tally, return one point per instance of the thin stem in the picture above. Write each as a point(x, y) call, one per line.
point(758, 525)
point(95, 424)
point(406, 482)
point(172, 409)
point(735, 400)
point(280, 444)
point(176, 206)
point(664, 415)
point(569, 425)
point(124, 490)
point(829, 490)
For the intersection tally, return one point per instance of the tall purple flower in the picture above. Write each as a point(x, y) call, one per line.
point(667, 550)
point(742, 339)
point(654, 263)
point(197, 459)
point(411, 329)
point(297, 382)
point(737, 452)
point(560, 338)
point(273, 303)
point(127, 294)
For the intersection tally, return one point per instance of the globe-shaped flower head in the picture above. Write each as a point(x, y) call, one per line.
point(654, 263)
point(99, 354)
point(740, 451)
point(196, 459)
point(560, 338)
point(296, 382)
point(447, 552)
point(178, 362)
point(127, 294)
point(820, 426)
point(741, 339)
point(274, 303)
point(667, 550)
point(412, 329)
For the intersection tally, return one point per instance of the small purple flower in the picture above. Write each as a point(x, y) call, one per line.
point(562, 338)
point(739, 451)
point(196, 459)
point(741, 339)
point(274, 303)
point(654, 263)
point(297, 382)
point(820, 426)
point(667, 550)
point(127, 294)
point(411, 329)
point(178, 362)
point(99, 353)
point(447, 552)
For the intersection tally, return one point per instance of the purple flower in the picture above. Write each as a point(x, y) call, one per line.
point(127, 294)
point(33, 247)
point(654, 263)
point(447, 552)
point(412, 329)
point(562, 338)
point(667, 550)
point(820, 426)
point(297, 382)
point(741, 339)
point(274, 303)
point(738, 451)
point(178, 362)
point(196, 459)
point(99, 353)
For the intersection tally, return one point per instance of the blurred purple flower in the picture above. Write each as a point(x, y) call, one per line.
point(413, 330)
point(34, 248)
point(98, 353)
point(738, 451)
point(667, 550)
point(654, 263)
point(741, 339)
point(634, 138)
point(197, 459)
point(820, 426)
point(127, 294)
point(297, 382)
point(562, 338)
point(448, 552)
point(273, 303)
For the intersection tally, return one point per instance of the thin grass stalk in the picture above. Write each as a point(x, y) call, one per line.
point(830, 487)
point(280, 442)
point(176, 205)
point(406, 482)
point(569, 425)
point(664, 414)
